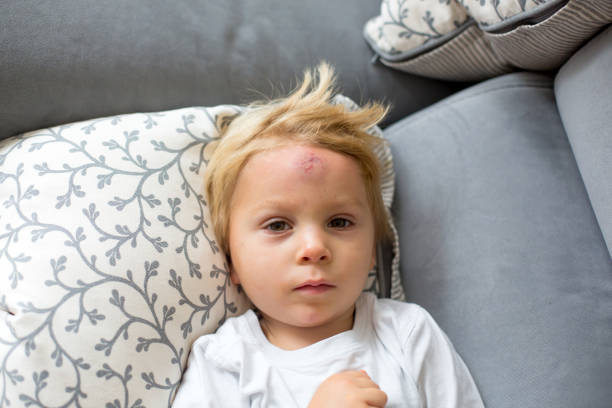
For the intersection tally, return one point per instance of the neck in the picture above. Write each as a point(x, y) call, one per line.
point(288, 337)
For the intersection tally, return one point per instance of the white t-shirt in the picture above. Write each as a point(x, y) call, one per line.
point(398, 344)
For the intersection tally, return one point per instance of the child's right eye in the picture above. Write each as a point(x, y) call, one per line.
point(277, 226)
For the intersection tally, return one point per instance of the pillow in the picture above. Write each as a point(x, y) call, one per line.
point(468, 40)
point(109, 267)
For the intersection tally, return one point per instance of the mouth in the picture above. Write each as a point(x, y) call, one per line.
point(314, 287)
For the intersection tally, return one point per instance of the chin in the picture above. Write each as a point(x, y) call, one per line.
point(314, 319)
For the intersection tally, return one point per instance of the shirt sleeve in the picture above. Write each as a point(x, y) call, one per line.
point(204, 384)
point(443, 380)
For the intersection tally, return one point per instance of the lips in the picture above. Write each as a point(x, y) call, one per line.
point(314, 287)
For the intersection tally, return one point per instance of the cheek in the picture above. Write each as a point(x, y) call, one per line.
point(250, 265)
point(360, 255)
point(364, 253)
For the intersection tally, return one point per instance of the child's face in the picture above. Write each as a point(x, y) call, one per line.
point(301, 235)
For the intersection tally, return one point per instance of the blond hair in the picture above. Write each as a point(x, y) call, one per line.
point(307, 116)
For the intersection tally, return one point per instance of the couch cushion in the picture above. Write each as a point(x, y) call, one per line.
point(583, 88)
point(64, 61)
point(500, 243)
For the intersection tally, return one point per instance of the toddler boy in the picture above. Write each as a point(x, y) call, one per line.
point(294, 192)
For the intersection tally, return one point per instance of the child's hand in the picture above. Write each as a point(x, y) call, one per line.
point(348, 389)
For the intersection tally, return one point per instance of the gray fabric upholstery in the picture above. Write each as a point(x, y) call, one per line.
point(64, 61)
point(583, 88)
point(499, 242)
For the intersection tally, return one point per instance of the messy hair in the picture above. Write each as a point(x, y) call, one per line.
point(307, 116)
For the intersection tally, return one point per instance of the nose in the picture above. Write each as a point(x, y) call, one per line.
point(313, 248)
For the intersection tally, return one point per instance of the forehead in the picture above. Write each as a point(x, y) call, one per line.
point(302, 159)
point(296, 169)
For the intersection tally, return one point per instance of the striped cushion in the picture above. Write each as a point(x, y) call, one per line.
point(539, 37)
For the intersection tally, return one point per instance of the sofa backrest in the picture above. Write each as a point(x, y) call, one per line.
point(582, 89)
point(62, 61)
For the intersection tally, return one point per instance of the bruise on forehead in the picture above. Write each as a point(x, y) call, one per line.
point(308, 162)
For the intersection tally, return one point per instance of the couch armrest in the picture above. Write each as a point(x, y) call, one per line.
point(499, 242)
point(583, 88)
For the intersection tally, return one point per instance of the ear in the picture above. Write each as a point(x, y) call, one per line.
point(233, 275)
point(373, 260)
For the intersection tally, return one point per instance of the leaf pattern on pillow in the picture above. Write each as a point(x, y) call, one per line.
point(108, 264)
point(409, 27)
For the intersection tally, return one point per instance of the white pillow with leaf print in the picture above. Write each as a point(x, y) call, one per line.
point(108, 266)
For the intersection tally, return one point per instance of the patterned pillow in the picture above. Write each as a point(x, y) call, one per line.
point(476, 39)
point(109, 268)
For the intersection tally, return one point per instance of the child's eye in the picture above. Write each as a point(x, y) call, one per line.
point(277, 226)
point(340, 223)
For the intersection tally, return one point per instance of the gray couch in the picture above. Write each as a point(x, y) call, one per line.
point(503, 191)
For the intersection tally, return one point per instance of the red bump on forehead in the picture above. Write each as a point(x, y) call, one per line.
point(309, 161)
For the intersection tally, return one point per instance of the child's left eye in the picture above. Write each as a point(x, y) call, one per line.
point(340, 223)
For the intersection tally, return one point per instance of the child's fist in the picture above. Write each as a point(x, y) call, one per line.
point(348, 389)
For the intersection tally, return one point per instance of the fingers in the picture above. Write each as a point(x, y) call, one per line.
point(371, 392)
point(352, 388)
point(360, 377)
point(375, 397)
point(361, 374)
